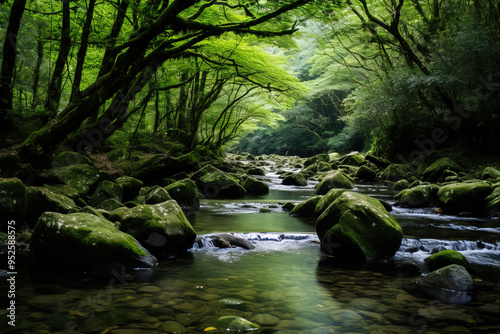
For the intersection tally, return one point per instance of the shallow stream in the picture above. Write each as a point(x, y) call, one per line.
point(283, 284)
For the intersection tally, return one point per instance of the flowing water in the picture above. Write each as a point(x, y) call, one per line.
point(284, 284)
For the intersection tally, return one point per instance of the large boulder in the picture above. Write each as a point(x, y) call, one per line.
point(255, 187)
point(451, 284)
point(130, 186)
point(162, 228)
point(106, 190)
point(156, 195)
point(306, 208)
point(335, 179)
point(157, 167)
point(296, 179)
point(12, 200)
point(366, 173)
point(40, 199)
point(214, 183)
point(185, 193)
point(358, 227)
point(445, 258)
point(352, 159)
point(437, 171)
point(328, 199)
point(464, 197)
point(81, 177)
point(84, 239)
point(418, 197)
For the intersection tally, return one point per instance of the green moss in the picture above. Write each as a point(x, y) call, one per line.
point(418, 197)
point(306, 207)
point(434, 172)
point(446, 258)
point(333, 180)
point(81, 177)
point(328, 199)
point(464, 197)
point(297, 179)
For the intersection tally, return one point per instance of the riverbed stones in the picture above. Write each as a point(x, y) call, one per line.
point(85, 239)
point(418, 197)
point(464, 197)
point(173, 327)
point(265, 319)
point(334, 180)
point(357, 227)
point(162, 228)
point(185, 193)
point(295, 179)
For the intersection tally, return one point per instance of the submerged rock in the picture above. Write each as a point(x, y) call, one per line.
point(185, 193)
point(162, 228)
point(85, 239)
point(464, 197)
point(358, 227)
point(336, 179)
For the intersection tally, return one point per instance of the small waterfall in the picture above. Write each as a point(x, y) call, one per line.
point(428, 245)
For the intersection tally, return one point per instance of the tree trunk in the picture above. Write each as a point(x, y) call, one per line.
point(36, 78)
point(55, 87)
point(75, 92)
point(9, 62)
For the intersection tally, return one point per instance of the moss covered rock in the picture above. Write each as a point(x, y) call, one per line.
point(64, 190)
point(328, 199)
point(106, 190)
point(40, 199)
point(366, 173)
point(401, 185)
point(85, 239)
point(130, 186)
point(453, 277)
point(378, 161)
point(296, 179)
point(434, 172)
point(185, 193)
point(493, 203)
point(81, 177)
point(490, 173)
point(418, 197)
point(162, 228)
point(352, 159)
point(214, 183)
point(464, 197)
point(157, 195)
point(395, 172)
point(233, 324)
point(12, 200)
point(335, 179)
point(68, 158)
point(357, 227)
point(446, 258)
point(317, 158)
point(306, 208)
point(110, 204)
point(154, 169)
point(255, 187)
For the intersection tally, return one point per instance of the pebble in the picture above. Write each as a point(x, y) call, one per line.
point(265, 319)
point(139, 304)
point(149, 289)
point(173, 327)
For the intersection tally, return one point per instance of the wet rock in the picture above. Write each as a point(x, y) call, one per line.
point(156, 195)
point(306, 208)
point(317, 158)
point(334, 180)
point(40, 200)
point(235, 324)
point(352, 159)
point(328, 199)
point(297, 179)
point(493, 203)
point(356, 226)
point(401, 185)
point(408, 268)
point(255, 187)
point(460, 197)
point(85, 239)
point(395, 172)
point(130, 186)
point(110, 204)
point(437, 171)
point(153, 170)
point(265, 319)
point(445, 258)
point(256, 171)
point(221, 240)
point(173, 327)
point(265, 210)
point(185, 193)
point(490, 173)
point(214, 183)
point(288, 206)
point(162, 228)
point(104, 191)
point(418, 197)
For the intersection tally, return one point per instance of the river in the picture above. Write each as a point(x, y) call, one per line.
point(284, 283)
